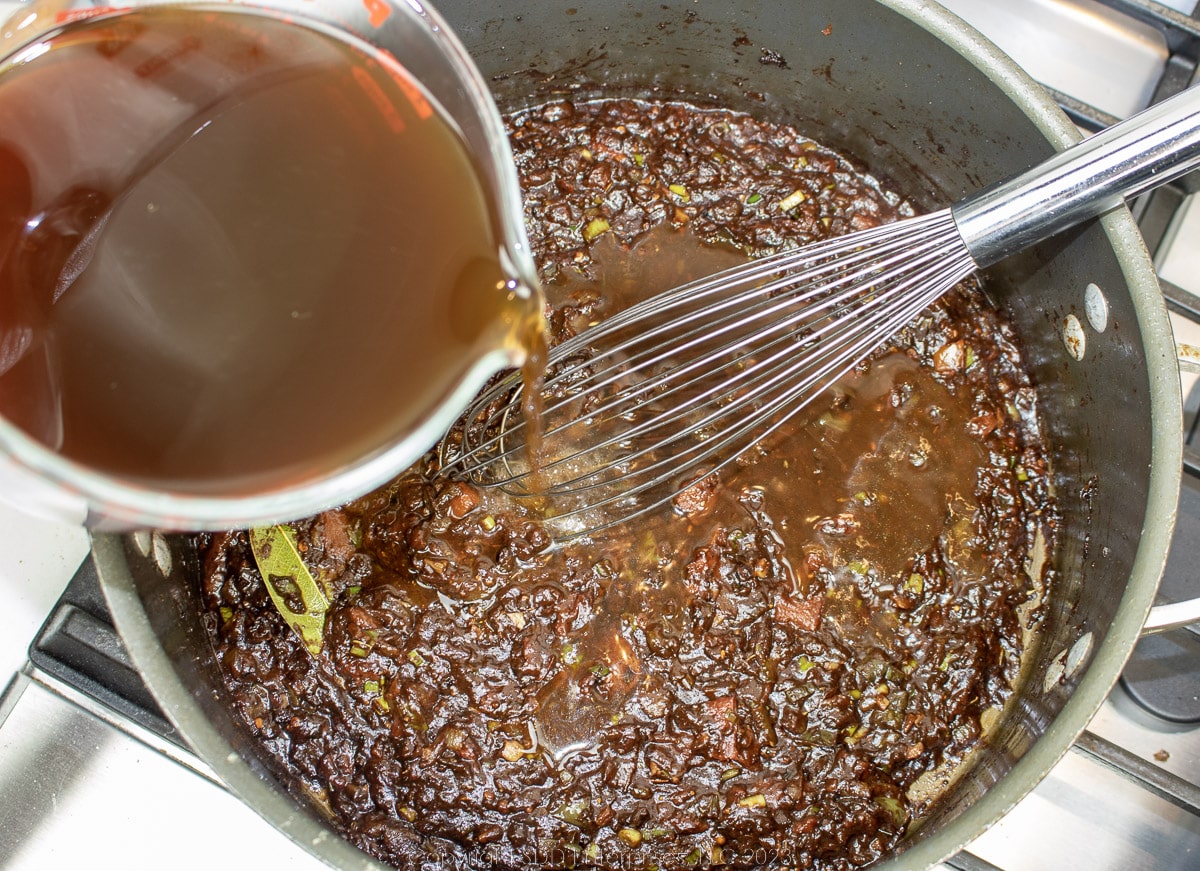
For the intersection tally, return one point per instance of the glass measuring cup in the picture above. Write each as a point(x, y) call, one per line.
point(42, 480)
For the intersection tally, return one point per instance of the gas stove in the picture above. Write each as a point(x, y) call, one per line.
point(93, 775)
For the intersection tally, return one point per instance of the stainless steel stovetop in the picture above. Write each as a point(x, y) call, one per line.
point(84, 786)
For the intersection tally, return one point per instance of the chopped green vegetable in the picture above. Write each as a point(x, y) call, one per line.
point(854, 734)
point(859, 567)
point(408, 813)
point(693, 858)
point(820, 737)
point(804, 663)
point(894, 808)
point(569, 653)
point(513, 750)
point(915, 584)
point(573, 812)
point(488, 522)
point(371, 686)
point(300, 600)
point(755, 800)
point(753, 198)
point(592, 852)
point(595, 228)
point(792, 200)
point(226, 613)
point(630, 837)
point(680, 191)
point(639, 158)
point(874, 667)
point(415, 657)
point(730, 774)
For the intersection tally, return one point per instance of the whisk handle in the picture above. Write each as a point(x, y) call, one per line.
point(1142, 152)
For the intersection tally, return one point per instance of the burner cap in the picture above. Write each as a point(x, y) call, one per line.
point(1163, 676)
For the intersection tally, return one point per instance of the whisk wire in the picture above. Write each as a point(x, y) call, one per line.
point(776, 360)
point(678, 388)
point(751, 429)
point(799, 378)
point(754, 315)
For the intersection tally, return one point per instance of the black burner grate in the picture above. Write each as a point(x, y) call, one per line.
point(78, 645)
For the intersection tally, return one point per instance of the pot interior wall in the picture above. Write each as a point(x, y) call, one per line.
point(863, 78)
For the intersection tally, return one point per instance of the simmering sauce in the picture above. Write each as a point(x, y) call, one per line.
point(235, 253)
point(781, 669)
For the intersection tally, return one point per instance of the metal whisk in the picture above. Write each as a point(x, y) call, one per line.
point(652, 401)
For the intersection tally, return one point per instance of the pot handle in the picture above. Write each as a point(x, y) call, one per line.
point(1163, 618)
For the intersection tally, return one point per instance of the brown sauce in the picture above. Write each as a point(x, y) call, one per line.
point(235, 253)
point(765, 674)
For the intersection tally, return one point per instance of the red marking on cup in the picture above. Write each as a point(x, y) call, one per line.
point(378, 11)
point(69, 15)
point(407, 86)
point(380, 99)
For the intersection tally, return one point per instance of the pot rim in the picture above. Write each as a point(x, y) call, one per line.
point(300, 825)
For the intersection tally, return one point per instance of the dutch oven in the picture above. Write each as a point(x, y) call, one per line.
point(930, 106)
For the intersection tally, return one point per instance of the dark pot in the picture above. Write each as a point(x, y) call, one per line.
point(928, 104)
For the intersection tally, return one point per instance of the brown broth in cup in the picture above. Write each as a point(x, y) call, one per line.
point(235, 253)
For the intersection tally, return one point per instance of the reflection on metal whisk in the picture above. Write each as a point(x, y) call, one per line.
point(671, 390)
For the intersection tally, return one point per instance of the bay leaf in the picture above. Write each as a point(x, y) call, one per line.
point(299, 597)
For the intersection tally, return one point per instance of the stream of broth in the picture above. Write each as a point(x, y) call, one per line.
point(235, 253)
